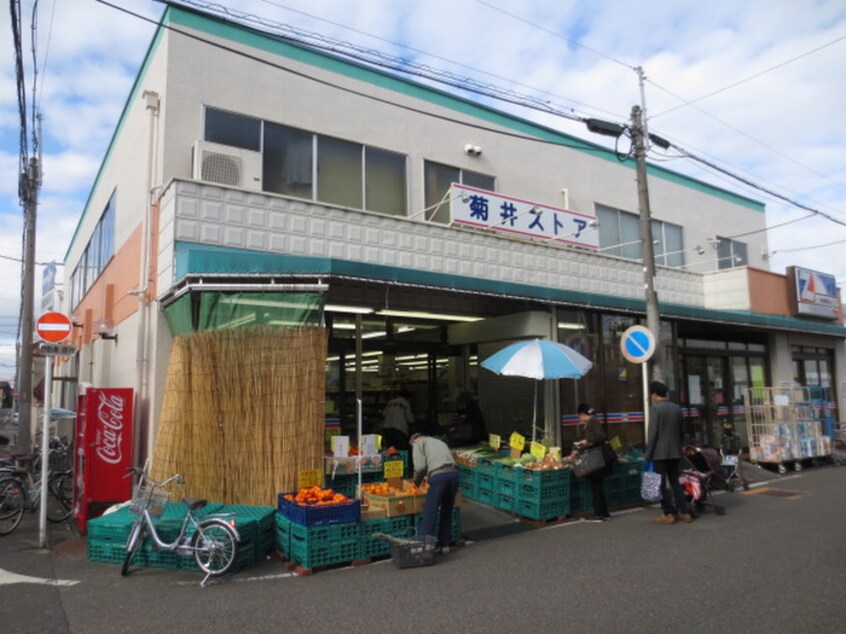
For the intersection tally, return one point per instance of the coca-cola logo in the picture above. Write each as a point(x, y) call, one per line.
point(110, 414)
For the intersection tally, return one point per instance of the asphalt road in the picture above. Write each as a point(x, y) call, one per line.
point(775, 562)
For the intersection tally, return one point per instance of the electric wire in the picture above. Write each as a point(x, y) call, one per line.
point(690, 102)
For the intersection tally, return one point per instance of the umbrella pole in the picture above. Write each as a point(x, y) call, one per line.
point(535, 414)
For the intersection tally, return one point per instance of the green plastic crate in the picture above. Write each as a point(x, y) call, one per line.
point(505, 502)
point(542, 510)
point(315, 554)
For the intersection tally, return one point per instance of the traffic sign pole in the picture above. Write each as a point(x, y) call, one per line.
point(45, 451)
point(638, 345)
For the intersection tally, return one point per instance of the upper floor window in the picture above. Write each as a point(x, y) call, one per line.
point(731, 253)
point(619, 234)
point(437, 179)
point(95, 256)
point(300, 163)
point(230, 128)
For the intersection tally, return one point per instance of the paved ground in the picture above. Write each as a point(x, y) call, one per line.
point(776, 562)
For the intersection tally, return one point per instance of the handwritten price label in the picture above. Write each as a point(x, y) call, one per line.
point(310, 478)
point(495, 441)
point(394, 469)
point(537, 450)
point(517, 441)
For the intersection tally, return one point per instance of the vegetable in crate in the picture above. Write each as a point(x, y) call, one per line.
point(315, 495)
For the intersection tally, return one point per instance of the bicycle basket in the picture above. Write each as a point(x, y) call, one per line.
point(145, 496)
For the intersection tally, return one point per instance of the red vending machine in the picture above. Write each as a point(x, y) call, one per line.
point(103, 451)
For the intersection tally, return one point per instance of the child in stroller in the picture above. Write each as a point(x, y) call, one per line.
point(702, 478)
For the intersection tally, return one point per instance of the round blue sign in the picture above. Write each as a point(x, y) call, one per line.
point(637, 344)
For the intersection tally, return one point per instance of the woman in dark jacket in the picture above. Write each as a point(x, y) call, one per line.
point(594, 436)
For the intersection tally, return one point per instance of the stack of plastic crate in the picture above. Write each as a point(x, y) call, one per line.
point(543, 495)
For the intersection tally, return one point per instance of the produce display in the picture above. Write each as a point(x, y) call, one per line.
point(540, 488)
point(315, 495)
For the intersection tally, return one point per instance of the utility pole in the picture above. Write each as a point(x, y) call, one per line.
point(653, 321)
point(30, 181)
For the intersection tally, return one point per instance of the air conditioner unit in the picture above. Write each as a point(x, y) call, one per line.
point(227, 165)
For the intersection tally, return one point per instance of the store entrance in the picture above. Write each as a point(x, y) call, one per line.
point(706, 379)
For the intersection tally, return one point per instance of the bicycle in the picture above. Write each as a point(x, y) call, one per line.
point(20, 490)
point(213, 544)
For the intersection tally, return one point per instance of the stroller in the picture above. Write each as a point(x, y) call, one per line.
point(702, 478)
point(730, 458)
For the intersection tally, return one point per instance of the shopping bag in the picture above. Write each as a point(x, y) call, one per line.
point(588, 461)
point(650, 485)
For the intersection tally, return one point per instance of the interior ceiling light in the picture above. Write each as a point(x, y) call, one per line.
point(337, 326)
point(416, 315)
point(356, 310)
point(251, 301)
point(373, 335)
point(569, 326)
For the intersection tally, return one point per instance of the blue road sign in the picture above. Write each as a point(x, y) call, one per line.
point(637, 344)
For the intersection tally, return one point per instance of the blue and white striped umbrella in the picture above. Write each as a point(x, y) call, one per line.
point(538, 359)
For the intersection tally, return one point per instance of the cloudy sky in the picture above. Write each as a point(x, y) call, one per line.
point(756, 87)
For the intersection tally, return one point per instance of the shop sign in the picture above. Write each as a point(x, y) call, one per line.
point(537, 450)
point(495, 441)
point(811, 293)
point(472, 207)
point(310, 478)
point(394, 469)
point(517, 441)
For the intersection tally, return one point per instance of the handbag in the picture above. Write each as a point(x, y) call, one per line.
point(588, 461)
point(650, 485)
point(609, 454)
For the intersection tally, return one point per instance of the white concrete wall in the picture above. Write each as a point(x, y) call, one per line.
point(210, 215)
point(727, 289)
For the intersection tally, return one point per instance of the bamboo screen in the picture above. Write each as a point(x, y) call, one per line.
point(242, 412)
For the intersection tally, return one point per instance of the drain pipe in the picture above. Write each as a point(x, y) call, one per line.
point(142, 412)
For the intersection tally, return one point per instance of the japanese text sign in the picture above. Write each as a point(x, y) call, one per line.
point(479, 208)
point(537, 450)
point(394, 469)
point(517, 441)
point(310, 478)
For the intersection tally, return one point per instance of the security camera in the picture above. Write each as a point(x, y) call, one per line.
point(472, 150)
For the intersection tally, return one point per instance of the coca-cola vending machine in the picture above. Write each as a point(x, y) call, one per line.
point(103, 451)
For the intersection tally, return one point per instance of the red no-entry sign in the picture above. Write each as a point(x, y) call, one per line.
point(53, 327)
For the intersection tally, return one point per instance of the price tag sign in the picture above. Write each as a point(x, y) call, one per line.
point(517, 441)
point(310, 478)
point(495, 441)
point(555, 452)
point(537, 450)
point(394, 469)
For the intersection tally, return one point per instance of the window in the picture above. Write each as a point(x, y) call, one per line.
point(339, 172)
point(619, 234)
point(384, 182)
point(316, 167)
point(437, 180)
point(97, 254)
point(287, 161)
point(731, 253)
point(232, 129)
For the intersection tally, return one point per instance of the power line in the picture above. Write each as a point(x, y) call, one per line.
point(558, 35)
point(746, 79)
point(685, 153)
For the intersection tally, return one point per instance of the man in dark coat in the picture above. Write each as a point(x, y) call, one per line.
point(664, 449)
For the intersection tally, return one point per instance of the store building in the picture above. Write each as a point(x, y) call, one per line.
point(254, 180)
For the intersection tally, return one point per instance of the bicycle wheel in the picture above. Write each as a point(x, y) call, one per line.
point(59, 498)
point(137, 535)
point(11, 504)
point(216, 546)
